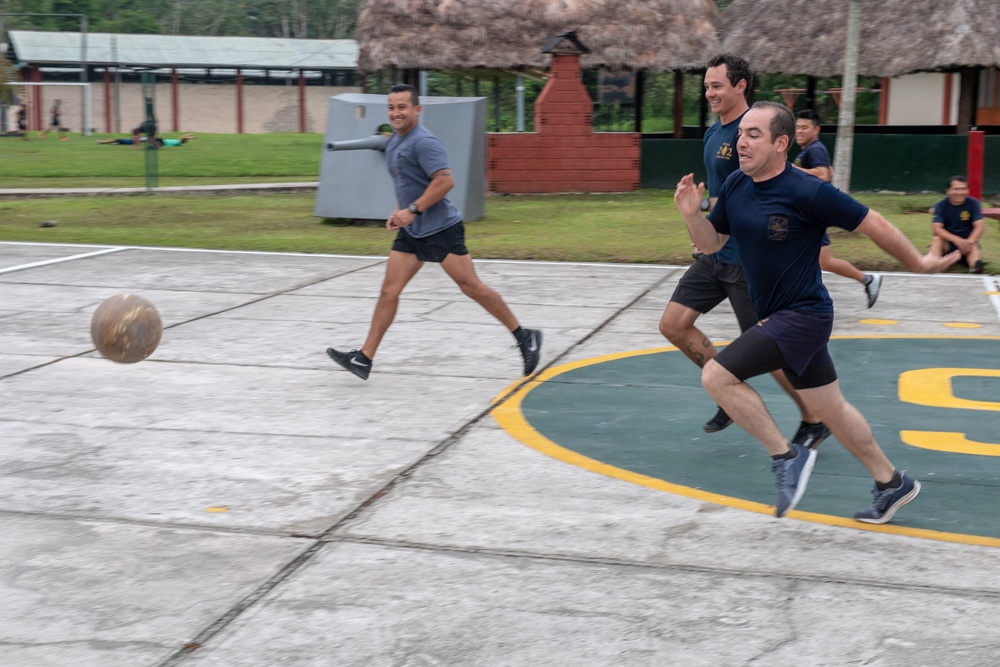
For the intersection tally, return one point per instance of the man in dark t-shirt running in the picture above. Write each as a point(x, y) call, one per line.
point(716, 276)
point(778, 216)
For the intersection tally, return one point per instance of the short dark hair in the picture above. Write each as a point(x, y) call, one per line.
point(406, 88)
point(737, 70)
point(809, 114)
point(960, 179)
point(782, 120)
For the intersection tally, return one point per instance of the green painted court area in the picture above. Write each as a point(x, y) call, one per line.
point(644, 414)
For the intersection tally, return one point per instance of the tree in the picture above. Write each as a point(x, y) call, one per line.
point(844, 150)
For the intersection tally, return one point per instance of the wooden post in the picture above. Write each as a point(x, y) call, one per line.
point(302, 101)
point(107, 100)
point(174, 103)
point(678, 104)
point(239, 101)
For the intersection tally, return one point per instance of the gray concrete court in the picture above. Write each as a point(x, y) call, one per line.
point(238, 500)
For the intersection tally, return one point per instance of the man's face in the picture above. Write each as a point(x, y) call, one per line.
point(958, 192)
point(403, 115)
point(758, 154)
point(723, 97)
point(806, 132)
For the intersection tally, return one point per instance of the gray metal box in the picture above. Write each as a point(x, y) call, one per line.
point(356, 183)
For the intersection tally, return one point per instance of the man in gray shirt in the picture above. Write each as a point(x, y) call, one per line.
point(428, 229)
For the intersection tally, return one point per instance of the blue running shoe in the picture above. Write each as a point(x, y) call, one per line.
point(791, 476)
point(886, 503)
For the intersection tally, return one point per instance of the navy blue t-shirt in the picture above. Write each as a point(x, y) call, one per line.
point(813, 155)
point(412, 159)
point(958, 219)
point(779, 225)
point(721, 160)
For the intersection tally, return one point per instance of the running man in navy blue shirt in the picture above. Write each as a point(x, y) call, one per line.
point(714, 277)
point(778, 216)
point(428, 229)
point(958, 224)
point(815, 159)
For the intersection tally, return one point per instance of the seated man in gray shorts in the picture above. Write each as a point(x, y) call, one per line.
point(428, 229)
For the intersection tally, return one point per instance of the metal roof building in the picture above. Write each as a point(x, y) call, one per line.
point(181, 51)
point(109, 59)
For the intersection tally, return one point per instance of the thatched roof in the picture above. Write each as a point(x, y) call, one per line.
point(897, 36)
point(509, 34)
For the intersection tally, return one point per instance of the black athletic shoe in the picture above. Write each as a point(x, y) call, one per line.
point(720, 421)
point(531, 349)
point(810, 435)
point(351, 361)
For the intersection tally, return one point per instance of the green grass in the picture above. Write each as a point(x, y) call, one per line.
point(206, 159)
point(639, 227)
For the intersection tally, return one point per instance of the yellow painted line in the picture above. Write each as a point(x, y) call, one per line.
point(877, 322)
point(217, 509)
point(932, 387)
point(992, 293)
point(511, 418)
point(955, 443)
point(963, 325)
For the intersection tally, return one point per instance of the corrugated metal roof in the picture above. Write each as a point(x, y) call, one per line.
point(62, 48)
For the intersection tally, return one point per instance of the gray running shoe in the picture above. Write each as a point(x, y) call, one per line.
point(872, 287)
point(791, 477)
point(886, 503)
point(351, 361)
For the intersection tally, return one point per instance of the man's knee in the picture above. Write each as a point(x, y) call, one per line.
point(714, 376)
point(677, 322)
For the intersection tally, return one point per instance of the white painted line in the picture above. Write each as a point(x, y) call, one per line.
point(59, 260)
point(992, 284)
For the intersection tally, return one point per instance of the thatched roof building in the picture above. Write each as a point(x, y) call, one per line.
point(509, 34)
point(897, 36)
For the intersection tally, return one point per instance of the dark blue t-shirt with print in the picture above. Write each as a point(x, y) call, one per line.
point(958, 219)
point(779, 225)
point(813, 155)
point(721, 160)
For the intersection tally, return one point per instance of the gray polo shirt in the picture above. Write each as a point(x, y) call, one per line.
point(412, 159)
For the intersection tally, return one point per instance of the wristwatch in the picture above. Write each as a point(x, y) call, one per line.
point(413, 209)
point(706, 204)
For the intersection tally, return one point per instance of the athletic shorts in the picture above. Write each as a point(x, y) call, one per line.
point(708, 282)
point(433, 248)
point(788, 340)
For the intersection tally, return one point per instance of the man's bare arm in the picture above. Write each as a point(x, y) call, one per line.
point(889, 237)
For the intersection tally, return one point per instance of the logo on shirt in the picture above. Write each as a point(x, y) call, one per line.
point(777, 228)
point(725, 152)
point(965, 216)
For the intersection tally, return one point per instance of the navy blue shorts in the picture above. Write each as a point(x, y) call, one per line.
point(433, 248)
point(788, 340)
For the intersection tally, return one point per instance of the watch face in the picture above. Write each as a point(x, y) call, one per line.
point(704, 204)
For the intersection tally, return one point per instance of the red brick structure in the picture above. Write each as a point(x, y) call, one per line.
point(564, 154)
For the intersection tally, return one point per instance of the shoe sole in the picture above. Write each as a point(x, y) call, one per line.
point(712, 428)
point(891, 512)
point(800, 490)
point(877, 282)
point(346, 367)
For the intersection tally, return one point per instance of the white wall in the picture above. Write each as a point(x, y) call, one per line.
point(918, 99)
point(204, 107)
